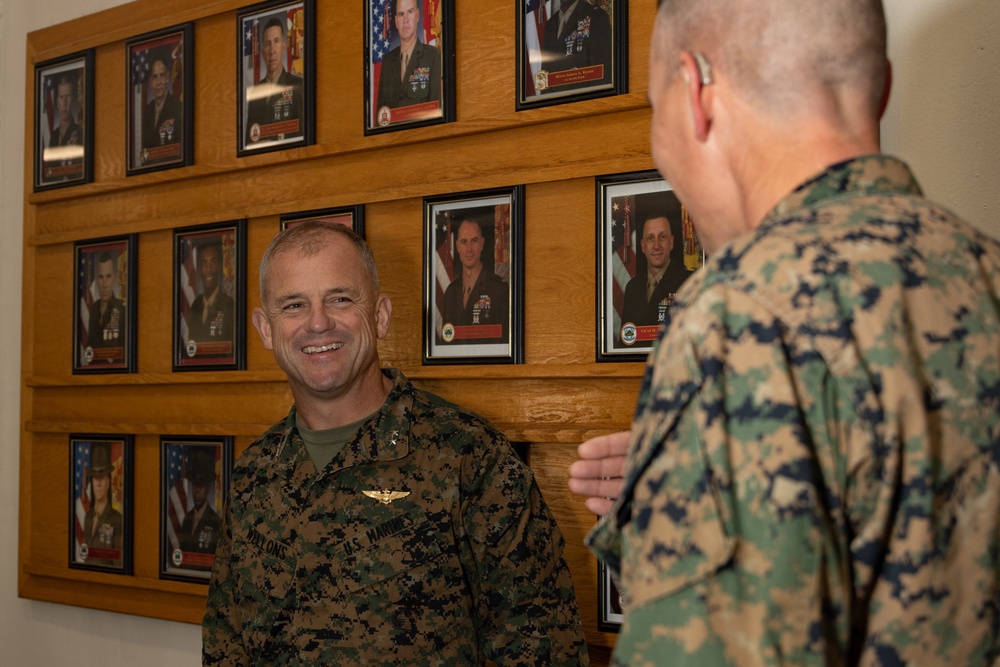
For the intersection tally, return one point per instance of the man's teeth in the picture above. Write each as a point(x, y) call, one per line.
point(313, 349)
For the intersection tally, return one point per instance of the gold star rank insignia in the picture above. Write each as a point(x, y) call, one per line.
point(385, 496)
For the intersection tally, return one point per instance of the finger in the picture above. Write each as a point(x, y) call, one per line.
point(609, 467)
point(603, 446)
point(598, 488)
point(599, 506)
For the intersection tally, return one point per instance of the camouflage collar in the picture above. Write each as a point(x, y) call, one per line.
point(384, 437)
point(869, 175)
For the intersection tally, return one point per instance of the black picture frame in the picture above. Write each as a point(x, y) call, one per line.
point(189, 534)
point(279, 115)
point(610, 601)
point(159, 100)
point(64, 121)
point(101, 542)
point(349, 216)
point(478, 331)
point(431, 64)
point(589, 59)
point(105, 305)
point(213, 341)
point(627, 321)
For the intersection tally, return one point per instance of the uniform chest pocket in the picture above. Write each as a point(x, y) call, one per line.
point(384, 557)
point(264, 566)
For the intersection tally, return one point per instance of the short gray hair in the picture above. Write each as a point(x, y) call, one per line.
point(310, 237)
point(775, 50)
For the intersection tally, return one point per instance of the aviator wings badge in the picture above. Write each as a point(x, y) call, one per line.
point(385, 496)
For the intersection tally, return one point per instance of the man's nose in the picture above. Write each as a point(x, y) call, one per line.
point(320, 320)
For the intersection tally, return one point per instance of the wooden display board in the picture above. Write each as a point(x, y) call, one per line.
point(556, 398)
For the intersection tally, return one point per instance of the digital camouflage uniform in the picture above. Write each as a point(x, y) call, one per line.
point(311, 571)
point(814, 472)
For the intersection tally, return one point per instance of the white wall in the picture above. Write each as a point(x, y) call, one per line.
point(944, 118)
point(40, 634)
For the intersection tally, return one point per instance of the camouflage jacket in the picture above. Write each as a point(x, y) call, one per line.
point(466, 565)
point(814, 472)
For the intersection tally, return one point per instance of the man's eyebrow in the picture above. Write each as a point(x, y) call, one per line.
point(293, 296)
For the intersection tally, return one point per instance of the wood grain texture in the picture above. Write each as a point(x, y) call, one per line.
point(557, 398)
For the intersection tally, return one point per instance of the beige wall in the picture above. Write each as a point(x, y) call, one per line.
point(944, 118)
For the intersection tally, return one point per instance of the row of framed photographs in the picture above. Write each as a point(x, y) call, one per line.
point(567, 50)
point(473, 287)
point(194, 481)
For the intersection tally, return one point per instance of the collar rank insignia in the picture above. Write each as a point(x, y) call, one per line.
point(385, 496)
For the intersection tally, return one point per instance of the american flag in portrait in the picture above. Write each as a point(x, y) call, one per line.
point(179, 500)
point(142, 60)
point(88, 294)
point(82, 492)
point(623, 249)
point(384, 38)
point(444, 264)
point(189, 283)
point(444, 257)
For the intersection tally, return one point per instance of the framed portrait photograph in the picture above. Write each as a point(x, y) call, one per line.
point(569, 50)
point(100, 512)
point(349, 216)
point(64, 121)
point(194, 480)
point(104, 305)
point(610, 602)
point(160, 100)
point(473, 277)
point(276, 76)
point(210, 297)
point(409, 64)
point(647, 247)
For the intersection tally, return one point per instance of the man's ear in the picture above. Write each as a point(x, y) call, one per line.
point(263, 327)
point(697, 75)
point(383, 314)
point(887, 86)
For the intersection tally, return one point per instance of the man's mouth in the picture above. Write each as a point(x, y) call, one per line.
point(316, 349)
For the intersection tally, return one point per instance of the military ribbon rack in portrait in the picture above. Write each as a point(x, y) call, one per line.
point(473, 277)
point(210, 297)
point(647, 249)
point(569, 50)
point(349, 216)
point(64, 121)
point(100, 502)
point(409, 64)
point(194, 480)
point(104, 305)
point(276, 75)
point(159, 99)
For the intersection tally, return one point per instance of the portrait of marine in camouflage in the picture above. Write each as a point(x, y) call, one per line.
point(812, 476)
point(377, 524)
